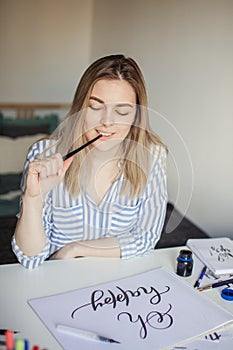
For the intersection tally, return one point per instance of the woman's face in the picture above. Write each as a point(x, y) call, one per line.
point(111, 112)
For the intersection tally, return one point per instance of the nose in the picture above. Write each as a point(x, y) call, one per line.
point(107, 117)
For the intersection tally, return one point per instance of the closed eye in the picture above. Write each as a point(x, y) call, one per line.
point(124, 110)
point(122, 113)
point(96, 107)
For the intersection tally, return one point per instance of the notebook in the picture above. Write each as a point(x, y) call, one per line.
point(215, 253)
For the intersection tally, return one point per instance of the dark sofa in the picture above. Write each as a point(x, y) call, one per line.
point(178, 237)
point(15, 135)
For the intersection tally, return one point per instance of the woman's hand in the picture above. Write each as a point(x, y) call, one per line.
point(103, 247)
point(69, 251)
point(45, 174)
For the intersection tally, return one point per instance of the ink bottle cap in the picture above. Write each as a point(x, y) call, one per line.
point(184, 263)
point(227, 294)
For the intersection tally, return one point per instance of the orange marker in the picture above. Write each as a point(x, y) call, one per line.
point(9, 337)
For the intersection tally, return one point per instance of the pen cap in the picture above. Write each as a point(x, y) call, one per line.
point(36, 347)
point(184, 263)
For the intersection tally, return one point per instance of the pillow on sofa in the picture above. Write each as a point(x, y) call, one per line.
point(9, 183)
point(21, 127)
point(16, 137)
point(9, 203)
point(14, 151)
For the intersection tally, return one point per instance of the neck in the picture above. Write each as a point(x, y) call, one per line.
point(98, 161)
point(96, 156)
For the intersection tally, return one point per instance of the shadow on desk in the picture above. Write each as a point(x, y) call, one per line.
point(178, 237)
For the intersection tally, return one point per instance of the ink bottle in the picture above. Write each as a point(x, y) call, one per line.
point(184, 263)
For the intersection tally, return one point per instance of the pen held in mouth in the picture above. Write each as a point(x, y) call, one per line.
point(70, 154)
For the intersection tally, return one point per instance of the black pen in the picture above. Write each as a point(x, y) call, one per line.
point(70, 154)
point(215, 285)
point(202, 274)
point(3, 331)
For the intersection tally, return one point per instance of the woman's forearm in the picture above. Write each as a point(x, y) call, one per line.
point(43, 175)
point(103, 247)
point(29, 233)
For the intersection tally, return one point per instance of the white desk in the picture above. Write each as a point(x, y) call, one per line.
point(17, 285)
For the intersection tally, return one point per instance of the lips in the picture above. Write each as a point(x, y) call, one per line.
point(105, 133)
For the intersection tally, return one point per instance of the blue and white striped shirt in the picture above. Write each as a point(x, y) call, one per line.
point(137, 223)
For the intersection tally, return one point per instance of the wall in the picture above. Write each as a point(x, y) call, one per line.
point(185, 49)
point(45, 46)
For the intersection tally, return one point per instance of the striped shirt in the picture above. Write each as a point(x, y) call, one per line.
point(137, 223)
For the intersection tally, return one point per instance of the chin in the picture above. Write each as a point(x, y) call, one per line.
point(108, 145)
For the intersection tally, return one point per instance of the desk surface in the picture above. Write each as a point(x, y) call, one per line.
point(18, 285)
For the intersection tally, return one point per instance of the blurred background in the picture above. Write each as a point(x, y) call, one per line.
point(185, 51)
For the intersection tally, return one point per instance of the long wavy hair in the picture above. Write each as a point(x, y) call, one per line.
point(135, 149)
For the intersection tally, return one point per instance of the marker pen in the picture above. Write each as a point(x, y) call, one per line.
point(9, 339)
point(19, 344)
point(26, 344)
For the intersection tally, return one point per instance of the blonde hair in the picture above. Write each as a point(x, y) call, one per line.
point(135, 162)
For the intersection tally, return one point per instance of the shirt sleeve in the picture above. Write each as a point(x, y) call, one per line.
point(147, 231)
point(31, 262)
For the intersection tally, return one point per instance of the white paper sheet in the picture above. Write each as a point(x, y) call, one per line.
point(219, 340)
point(153, 310)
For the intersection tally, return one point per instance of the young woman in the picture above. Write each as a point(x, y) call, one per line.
point(109, 200)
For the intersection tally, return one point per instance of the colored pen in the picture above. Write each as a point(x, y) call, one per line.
point(9, 339)
point(19, 344)
point(198, 281)
point(26, 344)
point(215, 285)
point(85, 334)
point(3, 331)
point(70, 154)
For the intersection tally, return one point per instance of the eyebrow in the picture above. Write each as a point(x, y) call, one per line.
point(96, 99)
point(123, 104)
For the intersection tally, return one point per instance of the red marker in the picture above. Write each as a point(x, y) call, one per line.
point(36, 347)
point(9, 337)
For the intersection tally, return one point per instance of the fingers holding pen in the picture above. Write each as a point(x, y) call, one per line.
point(51, 166)
point(44, 174)
point(55, 166)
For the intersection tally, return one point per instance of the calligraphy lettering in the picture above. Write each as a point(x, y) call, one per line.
point(213, 336)
point(153, 319)
point(99, 299)
point(222, 253)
